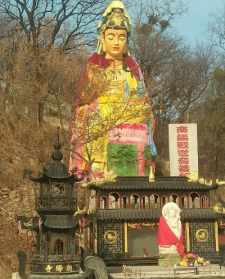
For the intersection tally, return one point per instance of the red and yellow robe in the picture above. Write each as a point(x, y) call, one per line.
point(112, 120)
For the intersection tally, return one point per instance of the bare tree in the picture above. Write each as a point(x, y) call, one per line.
point(217, 29)
point(210, 115)
point(69, 22)
point(176, 77)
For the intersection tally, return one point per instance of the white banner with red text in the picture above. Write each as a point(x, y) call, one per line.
point(183, 150)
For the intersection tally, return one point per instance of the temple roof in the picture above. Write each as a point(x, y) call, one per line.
point(160, 184)
point(55, 169)
point(134, 215)
point(60, 222)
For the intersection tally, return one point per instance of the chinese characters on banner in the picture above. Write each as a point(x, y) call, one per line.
point(183, 149)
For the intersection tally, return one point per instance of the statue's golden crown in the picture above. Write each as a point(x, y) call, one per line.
point(116, 17)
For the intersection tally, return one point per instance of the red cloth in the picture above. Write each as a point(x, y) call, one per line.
point(166, 237)
point(129, 61)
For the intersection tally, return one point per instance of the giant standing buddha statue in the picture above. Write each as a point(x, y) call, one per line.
point(113, 121)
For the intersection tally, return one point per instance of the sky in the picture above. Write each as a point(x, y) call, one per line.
point(193, 25)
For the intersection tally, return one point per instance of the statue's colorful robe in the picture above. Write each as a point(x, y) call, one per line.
point(112, 125)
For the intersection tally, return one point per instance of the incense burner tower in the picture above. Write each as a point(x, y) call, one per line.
point(56, 226)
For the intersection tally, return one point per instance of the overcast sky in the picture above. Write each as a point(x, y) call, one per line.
point(193, 25)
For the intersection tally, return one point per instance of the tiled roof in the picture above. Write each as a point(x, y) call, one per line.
point(152, 214)
point(199, 213)
point(60, 222)
point(162, 183)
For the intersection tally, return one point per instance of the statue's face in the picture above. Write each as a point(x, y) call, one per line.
point(172, 214)
point(115, 43)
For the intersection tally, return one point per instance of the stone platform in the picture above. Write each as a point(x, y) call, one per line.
point(149, 272)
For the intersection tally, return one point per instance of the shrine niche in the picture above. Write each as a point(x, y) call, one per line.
point(145, 202)
point(135, 201)
point(114, 200)
point(142, 240)
point(103, 202)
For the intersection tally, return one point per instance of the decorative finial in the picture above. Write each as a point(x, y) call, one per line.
point(57, 144)
point(57, 154)
point(151, 174)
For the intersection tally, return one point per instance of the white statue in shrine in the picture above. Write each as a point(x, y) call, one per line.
point(170, 233)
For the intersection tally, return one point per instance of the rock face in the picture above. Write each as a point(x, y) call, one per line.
point(13, 202)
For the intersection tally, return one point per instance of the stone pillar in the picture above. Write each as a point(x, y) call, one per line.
point(15, 275)
point(217, 236)
point(125, 238)
point(22, 264)
point(187, 232)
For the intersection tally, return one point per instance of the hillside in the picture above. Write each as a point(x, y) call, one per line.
point(24, 146)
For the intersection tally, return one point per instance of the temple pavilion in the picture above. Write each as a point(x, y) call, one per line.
point(124, 220)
